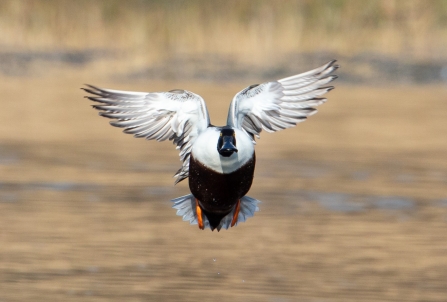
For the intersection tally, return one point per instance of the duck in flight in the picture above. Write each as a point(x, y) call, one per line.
point(219, 161)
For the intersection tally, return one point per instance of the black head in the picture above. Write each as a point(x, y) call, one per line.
point(226, 144)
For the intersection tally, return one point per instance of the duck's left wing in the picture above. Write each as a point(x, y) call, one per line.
point(177, 115)
point(282, 104)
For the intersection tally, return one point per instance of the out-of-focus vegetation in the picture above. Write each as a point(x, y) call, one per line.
point(245, 29)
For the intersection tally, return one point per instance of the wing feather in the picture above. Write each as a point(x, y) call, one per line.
point(273, 106)
point(178, 115)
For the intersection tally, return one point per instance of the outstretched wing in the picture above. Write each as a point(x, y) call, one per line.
point(177, 115)
point(282, 104)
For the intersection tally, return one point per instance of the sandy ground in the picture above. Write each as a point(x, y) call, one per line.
point(354, 202)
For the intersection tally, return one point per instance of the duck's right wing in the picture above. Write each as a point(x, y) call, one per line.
point(177, 115)
point(281, 104)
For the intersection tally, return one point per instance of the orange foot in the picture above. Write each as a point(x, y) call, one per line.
point(199, 215)
point(236, 213)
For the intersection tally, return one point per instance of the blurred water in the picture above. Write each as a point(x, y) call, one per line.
point(87, 216)
point(90, 239)
point(7, 157)
point(331, 201)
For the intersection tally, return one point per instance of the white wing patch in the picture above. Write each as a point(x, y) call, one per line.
point(177, 115)
point(274, 106)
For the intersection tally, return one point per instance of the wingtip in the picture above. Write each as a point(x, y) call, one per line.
point(92, 90)
point(91, 98)
point(331, 64)
point(91, 86)
point(86, 89)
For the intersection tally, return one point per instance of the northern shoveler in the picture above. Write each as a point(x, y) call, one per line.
point(219, 161)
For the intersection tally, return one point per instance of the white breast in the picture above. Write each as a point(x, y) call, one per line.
point(205, 151)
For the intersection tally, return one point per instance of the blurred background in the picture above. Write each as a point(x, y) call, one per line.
point(354, 200)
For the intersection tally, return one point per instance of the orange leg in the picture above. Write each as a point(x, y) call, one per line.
point(199, 215)
point(236, 213)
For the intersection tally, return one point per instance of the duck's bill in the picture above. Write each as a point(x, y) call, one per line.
point(228, 148)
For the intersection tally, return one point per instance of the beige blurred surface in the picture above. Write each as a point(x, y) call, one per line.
point(354, 200)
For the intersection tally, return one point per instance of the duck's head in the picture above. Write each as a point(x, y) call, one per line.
point(226, 145)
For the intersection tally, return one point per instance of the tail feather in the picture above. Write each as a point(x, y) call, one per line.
point(248, 208)
point(186, 207)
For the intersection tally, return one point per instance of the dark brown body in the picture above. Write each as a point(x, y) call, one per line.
point(217, 192)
